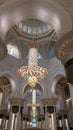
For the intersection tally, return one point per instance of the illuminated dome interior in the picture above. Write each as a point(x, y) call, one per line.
point(34, 27)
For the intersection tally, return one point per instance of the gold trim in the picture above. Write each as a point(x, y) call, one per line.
point(64, 45)
point(16, 101)
point(33, 105)
point(49, 101)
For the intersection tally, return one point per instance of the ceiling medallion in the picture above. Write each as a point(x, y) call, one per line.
point(32, 73)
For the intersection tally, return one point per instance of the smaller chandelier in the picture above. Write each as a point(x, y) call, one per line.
point(34, 109)
point(32, 72)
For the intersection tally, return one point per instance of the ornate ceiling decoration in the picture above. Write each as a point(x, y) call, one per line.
point(16, 35)
point(63, 84)
point(64, 46)
point(47, 15)
point(23, 40)
point(40, 31)
point(4, 81)
point(34, 27)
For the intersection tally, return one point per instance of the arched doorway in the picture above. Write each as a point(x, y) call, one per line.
point(5, 88)
point(63, 103)
point(63, 94)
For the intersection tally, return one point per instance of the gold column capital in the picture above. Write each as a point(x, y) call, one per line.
point(3, 111)
point(16, 101)
point(49, 101)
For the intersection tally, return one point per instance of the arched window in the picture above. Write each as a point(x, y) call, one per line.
point(33, 26)
point(13, 50)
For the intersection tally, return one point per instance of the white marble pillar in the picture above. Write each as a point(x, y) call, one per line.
point(3, 112)
point(61, 101)
point(54, 116)
point(50, 102)
point(15, 117)
point(46, 118)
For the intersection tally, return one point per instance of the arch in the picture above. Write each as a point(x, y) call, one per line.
point(27, 87)
point(5, 89)
point(10, 77)
point(47, 11)
point(64, 85)
point(54, 83)
point(57, 92)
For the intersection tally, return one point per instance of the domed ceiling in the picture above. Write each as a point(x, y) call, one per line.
point(23, 33)
point(34, 27)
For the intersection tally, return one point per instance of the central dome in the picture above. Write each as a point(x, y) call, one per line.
point(34, 27)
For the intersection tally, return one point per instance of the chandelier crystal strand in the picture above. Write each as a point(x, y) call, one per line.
point(33, 57)
point(32, 72)
point(34, 113)
point(32, 62)
point(33, 95)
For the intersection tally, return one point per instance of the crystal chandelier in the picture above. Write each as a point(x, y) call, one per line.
point(32, 73)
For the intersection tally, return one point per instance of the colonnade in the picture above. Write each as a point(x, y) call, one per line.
point(17, 120)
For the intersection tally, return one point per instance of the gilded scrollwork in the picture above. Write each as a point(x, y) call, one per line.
point(64, 46)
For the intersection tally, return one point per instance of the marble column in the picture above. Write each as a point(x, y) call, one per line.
point(70, 111)
point(3, 113)
point(3, 95)
point(41, 122)
point(15, 113)
point(63, 120)
point(61, 101)
point(50, 102)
